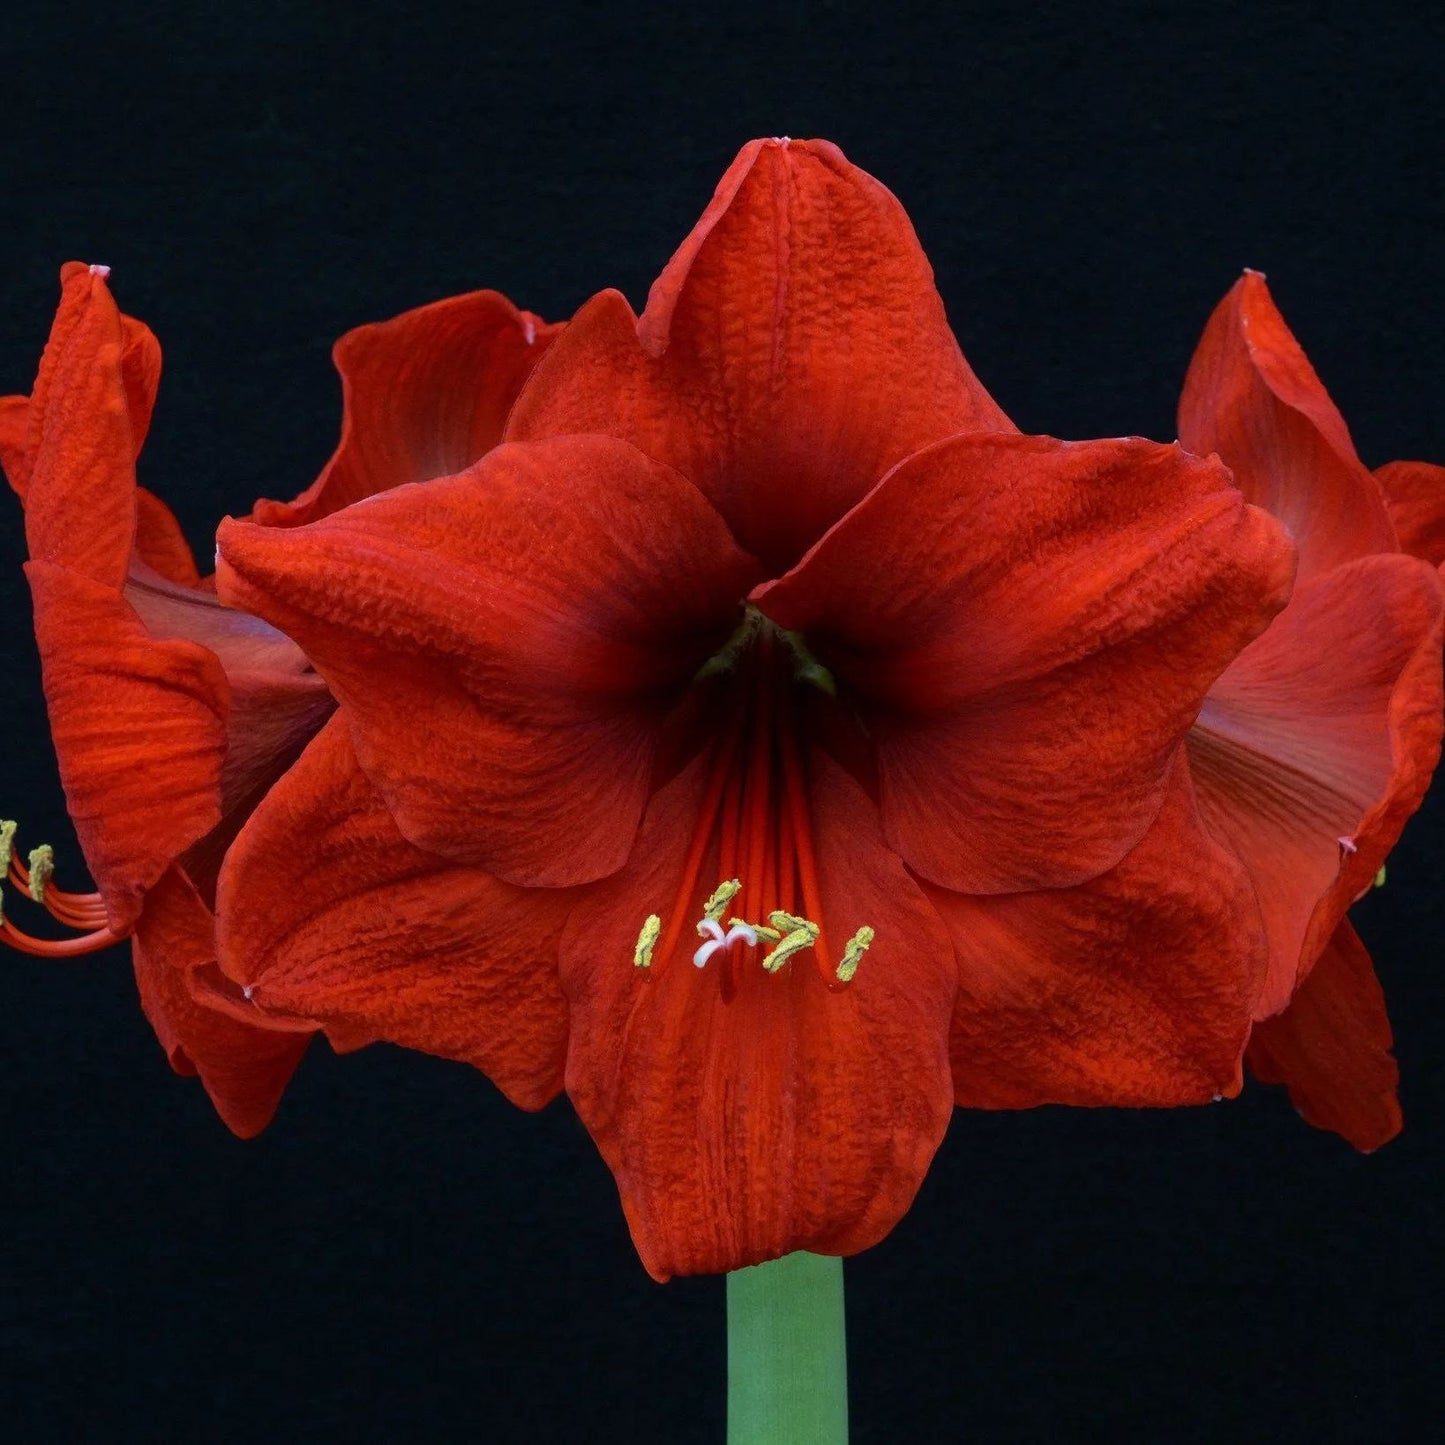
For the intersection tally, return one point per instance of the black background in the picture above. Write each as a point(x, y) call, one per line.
point(403, 1256)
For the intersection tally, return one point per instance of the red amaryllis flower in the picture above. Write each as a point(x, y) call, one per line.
point(172, 715)
point(770, 649)
point(1318, 742)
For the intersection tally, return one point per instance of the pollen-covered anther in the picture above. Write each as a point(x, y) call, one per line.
point(42, 869)
point(853, 952)
point(718, 901)
point(647, 941)
point(794, 941)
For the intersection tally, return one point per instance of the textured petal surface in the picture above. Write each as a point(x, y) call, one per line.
point(1415, 496)
point(1318, 743)
point(507, 642)
point(1252, 396)
point(424, 395)
point(80, 508)
point(792, 350)
point(792, 1116)
point(1028, 628)
point(329, 914)
point(14, 458)
point(1132, 989)
point(245, 1067)
point(160, 543)
point(1331, 1047)
point(139, 728)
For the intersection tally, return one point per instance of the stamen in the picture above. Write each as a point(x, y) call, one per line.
point(853, 952)
point(754, 810)
point(56, 947)
point(797, 804)
point(791, 943)
point(42, 866)
point(1380, 877)
point(646, 942)
point(83, 912)
point(722, 768)
point(719, 899)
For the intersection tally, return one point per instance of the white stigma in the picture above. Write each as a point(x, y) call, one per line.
point(717, 939)
point(101, 271)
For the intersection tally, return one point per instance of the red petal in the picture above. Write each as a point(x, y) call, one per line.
point(1415, 495)
point(793, 349)
point(244, 1067)
point(80, 509)
point(792, 1117)
point(1327, 728)
point(1331, 1047)
point(507, 642)
point(160, 544)
point(1133, 989)
point(139, 729)
point(14, 458)
point(1252, 396)
point(332, 916)
point(140, 369)
point(1028, 628)
point(423, 395)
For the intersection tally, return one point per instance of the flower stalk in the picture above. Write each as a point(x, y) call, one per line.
point(787, 1353)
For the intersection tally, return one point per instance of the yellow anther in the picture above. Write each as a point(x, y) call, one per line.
point(853, 952)
point(42, 866)
point(722, 895)
point(789, 922)
point(766, 934)
point(791, 943)
point(7, 842)
point(1380, 877)
point(647, 941)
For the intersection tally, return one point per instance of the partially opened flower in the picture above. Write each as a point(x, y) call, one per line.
point(172, 715)
point(1318, 742)
point(769, 740)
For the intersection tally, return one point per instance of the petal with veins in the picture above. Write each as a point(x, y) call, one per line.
point(793, 349)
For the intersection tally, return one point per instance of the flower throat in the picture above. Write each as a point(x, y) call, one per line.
point(754, 811)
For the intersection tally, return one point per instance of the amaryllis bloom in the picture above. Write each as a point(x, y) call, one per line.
point(768, 740)
point(172, 715)
point(1318, 742)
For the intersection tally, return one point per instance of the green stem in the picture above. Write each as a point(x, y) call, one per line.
point(787, 1353)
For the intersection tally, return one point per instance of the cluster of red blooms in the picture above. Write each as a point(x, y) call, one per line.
point(727, 715)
